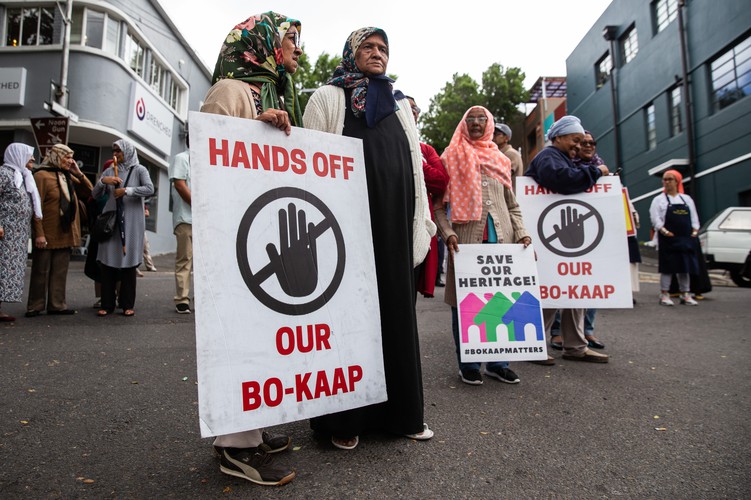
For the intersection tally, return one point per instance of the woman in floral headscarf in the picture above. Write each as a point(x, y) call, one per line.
point(19, 201)
point(253, 75)
point(483, 210)
point(127, 183)
point(253, 79)
point(359, 102)
point(60, 183)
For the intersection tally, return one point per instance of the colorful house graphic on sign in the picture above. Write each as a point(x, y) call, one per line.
point(515, 313)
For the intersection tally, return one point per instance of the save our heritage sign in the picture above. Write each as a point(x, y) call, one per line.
point(581, 244)
point(287, 318)
point(498, 301)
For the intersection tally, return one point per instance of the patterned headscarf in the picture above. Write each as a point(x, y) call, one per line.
point(16, 156)
point(370, 95)
point(130, 155)
point(466, 160)
point(252, 52)
point(54, 162)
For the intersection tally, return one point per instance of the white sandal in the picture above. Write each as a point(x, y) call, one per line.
point(344, 446)
point(422, 436)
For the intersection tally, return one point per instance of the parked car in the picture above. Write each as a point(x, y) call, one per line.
point(726, 242)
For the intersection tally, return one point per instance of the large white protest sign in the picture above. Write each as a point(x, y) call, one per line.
point(498, 298)
point(287, 318)
point(581, 244)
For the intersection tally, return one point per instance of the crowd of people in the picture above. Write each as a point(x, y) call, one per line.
point(465, 195)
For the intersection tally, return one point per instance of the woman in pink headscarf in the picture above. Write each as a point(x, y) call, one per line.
point(483, 210)
point(676, 221)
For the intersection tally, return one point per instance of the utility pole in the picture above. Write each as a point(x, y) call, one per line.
point(688, 106)
point(609, 34)
point(62, 91)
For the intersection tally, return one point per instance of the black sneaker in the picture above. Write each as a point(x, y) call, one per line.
point(254, 464)
point(471, 377)
point(182, 309)
point(503, 374)
point(276, 442)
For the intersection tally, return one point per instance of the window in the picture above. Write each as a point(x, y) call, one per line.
point(739, 220)
point(731, 75)
point(31, 26)
point(664, 12)
point(629, 45)
point(649, 117)
point(158, 77)
point(134, 54)
point(94, 29)
point(676, 120)
point(602, 69)
point(174, 95)
point(112, 44)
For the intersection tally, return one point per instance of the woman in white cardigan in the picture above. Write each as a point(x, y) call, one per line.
point(358, 102)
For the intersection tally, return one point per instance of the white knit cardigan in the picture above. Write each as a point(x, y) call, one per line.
point(325, 112)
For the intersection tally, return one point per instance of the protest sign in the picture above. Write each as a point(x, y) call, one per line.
point(287, 318)
point(581, 244)
point(498, 298)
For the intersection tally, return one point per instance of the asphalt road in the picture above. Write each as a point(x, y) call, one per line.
point(107, 408)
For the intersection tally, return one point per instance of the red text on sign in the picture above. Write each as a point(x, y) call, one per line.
point(271, 392)
point(302, 338)
point(575, 268)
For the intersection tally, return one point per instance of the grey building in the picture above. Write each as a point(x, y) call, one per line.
point(626, 82)
point(131, 75)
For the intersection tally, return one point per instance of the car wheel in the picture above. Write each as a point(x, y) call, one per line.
point(739, 279)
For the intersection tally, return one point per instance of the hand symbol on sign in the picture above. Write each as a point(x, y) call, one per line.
point(571, 231)
point(295, 263)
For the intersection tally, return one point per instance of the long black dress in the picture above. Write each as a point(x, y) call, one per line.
point(391, 193)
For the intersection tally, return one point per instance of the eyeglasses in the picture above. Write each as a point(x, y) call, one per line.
point(476, 119)
point(669, 179)
point(588, 143)
point(295, 38)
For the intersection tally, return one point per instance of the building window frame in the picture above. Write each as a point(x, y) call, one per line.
point(603, 70)
point(629, 44)
point(650, 126)
point(675, 103)
point(43, 33)
point(664, 12)
point(730, 74)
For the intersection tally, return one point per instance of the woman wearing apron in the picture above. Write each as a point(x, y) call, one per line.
point(674, 217)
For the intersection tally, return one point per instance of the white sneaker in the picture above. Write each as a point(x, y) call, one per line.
point(688, 300)
point(665, 300)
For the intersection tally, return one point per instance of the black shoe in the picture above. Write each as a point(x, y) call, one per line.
point(502, 374)
point(255, 465)
point(595, 344)
point(276, 442)
point(182, 309)
point(62, 312)
point(471, 377)
point(31, 314)
point(440, 283)
point(558, 346)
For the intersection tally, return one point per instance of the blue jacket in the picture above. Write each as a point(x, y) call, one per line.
point(553, 169)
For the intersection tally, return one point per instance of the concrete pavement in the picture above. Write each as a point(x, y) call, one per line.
point(107, 407)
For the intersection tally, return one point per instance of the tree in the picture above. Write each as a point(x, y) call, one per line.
point(501, 93)
point(307, 78)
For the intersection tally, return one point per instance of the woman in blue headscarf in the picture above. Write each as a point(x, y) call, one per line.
point(358, 102)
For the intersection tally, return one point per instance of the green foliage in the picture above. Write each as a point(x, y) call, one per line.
point(501, 93)
point(308, 78)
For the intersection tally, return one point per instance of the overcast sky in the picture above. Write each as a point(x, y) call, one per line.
point(429, 41)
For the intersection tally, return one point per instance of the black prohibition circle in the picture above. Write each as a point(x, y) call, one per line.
point(254, 280)
point(592, 213)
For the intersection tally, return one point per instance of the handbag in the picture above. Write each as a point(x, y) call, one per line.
point(104, 225)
